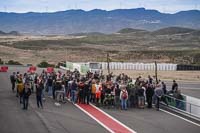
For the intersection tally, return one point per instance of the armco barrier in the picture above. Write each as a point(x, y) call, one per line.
point(139, 66)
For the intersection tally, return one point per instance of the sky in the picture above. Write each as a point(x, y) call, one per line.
point(165, 6)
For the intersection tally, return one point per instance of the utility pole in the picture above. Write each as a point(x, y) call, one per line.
point(156, 72)
point(108, 63)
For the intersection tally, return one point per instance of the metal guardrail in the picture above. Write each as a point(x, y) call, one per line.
point(183, 106)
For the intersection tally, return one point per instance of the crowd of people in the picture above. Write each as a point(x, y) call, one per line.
point(119, 91)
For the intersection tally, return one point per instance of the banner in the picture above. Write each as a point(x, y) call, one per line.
point(69, 66)
point(3, 69)
point(84, 69)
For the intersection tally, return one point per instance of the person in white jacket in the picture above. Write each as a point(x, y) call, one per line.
point(124, 98)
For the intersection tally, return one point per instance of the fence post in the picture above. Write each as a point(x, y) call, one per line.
point(156, 72)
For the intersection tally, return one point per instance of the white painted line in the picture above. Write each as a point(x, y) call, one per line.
point(95, 119)
point(131, 130)
point(180, 117)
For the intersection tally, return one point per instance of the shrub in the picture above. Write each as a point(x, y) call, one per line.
point(45, 64)
point(1, 62)
point(12, 62)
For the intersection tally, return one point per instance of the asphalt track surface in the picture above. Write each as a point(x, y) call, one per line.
point(69, 119)
point(52, 119)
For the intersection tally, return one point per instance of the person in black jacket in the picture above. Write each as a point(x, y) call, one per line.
point(86, 92)
point(39, 90)
point(141, 97)
point(149, 95)
point(117, 96)
point(164, 88)
point(174, 87)
point(50, 86)
point(26, 94)
point(13, 80)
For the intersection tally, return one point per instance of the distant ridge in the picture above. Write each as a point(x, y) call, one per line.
point(80, 21)
point(14, 33)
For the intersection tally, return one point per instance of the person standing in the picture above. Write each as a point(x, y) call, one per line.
point(174, 87)
point(50, 86)
point(74, 91)
point(86, 92)
point(124, 98)
point(164, 88)
point(13, 80)
point(20, 88)
point(117, 96)
point(26, 94)
point(98, 92)
point(141, 97)
point(149, 95)
point(93, 91)
point(39, 90)
point(158, 93)
point(81, 92)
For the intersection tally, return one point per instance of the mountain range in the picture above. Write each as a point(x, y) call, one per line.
point(12, 33)
point(80, 21)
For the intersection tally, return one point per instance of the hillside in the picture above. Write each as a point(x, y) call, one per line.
point(130, 30)
point(127, 46)
point(173, 30)
point(79, 21)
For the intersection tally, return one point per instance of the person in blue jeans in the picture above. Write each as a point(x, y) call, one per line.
point(50, 86)
point(124, 98)
point(26, 94)
point(73, 91)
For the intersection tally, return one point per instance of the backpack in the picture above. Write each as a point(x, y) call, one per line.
point(27, 92)
point(124, 95)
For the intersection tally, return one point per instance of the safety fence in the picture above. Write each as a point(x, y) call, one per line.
point(188, 67)
point(188, 105)
point(139, 66)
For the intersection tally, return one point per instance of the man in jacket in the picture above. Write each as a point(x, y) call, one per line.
point(13, 80)
point(26, 94)
point(149, 94)
point(39, 90)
